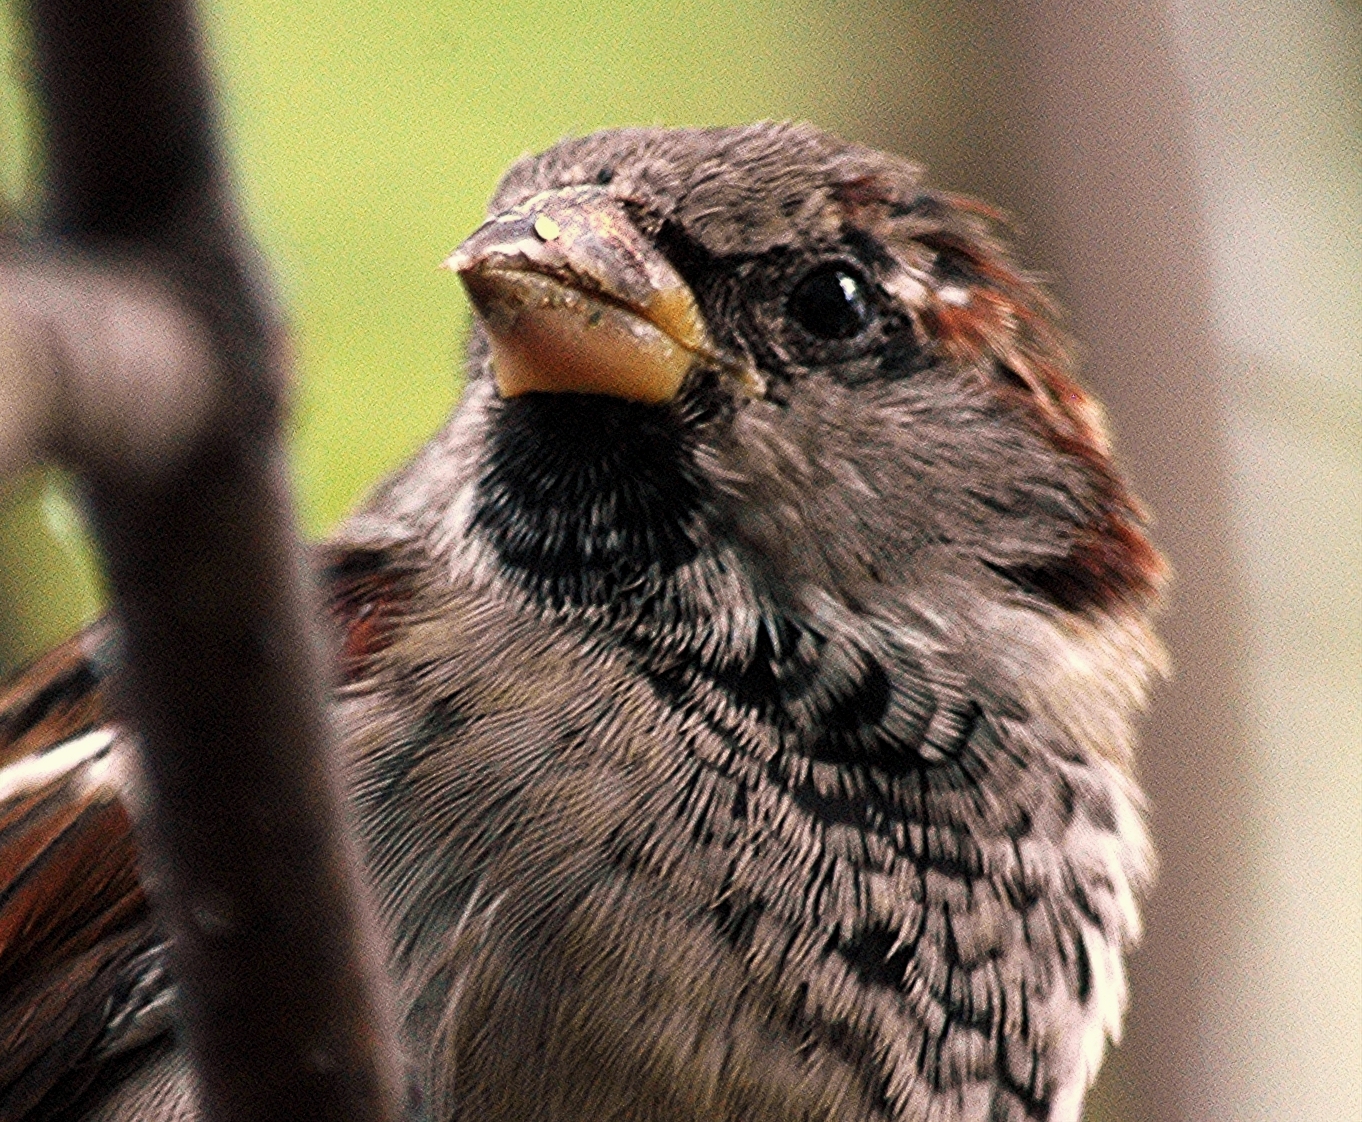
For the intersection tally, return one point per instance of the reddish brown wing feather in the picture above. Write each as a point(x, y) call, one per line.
point(72, 910)
point(367, 592)
point(59, 696)
point(72, 917)
point(78, 946)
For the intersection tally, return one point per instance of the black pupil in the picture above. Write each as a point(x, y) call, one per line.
point(830, 303)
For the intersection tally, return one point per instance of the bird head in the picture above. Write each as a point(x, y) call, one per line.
point(735, 390)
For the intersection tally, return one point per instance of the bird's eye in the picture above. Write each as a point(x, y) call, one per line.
point(830, 303)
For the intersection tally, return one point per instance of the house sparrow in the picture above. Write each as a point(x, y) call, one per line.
point(736, 695)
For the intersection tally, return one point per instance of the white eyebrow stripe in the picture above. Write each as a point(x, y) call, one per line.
point(908, 285)
point(36, 771)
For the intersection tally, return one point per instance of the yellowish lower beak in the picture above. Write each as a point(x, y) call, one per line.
point(575, 300)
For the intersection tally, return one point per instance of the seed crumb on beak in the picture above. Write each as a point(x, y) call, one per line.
point(575, 300)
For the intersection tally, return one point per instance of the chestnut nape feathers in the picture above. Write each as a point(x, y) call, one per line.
point(737, 694)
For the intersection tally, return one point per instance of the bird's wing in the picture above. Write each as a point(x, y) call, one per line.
point(61, 695)
point(83, 978)
point(81, 975)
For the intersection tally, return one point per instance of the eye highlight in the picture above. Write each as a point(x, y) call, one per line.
point(830, 302)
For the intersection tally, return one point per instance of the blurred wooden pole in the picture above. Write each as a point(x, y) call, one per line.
point(141, 349)
point(1109, 134)
point(1072, 114)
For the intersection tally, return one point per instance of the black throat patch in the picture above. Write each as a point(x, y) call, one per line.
point(589, 500)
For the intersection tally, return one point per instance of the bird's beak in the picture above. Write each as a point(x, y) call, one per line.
point(576, 300)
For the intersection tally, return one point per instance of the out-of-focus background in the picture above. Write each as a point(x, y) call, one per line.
point(1188, 173)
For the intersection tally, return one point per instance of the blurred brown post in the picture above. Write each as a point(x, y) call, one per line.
point(1109, 135)
point(156, 370)
point(1074, 116)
